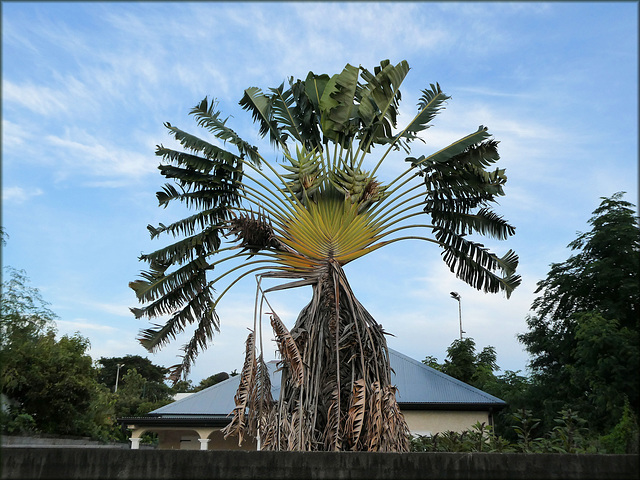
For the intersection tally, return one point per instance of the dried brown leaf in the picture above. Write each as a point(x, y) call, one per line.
point(375, 418)
point(333, 439)
point(289, 350)
point(356, 415)
point(238, 423)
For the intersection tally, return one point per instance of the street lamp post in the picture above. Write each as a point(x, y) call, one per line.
point(118, 376)
point(456, 296)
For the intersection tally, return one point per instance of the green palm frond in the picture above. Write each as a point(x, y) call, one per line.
point(204, 182)
point(474, 264)
point(308, 94)
point(196, 310)
point(186, 281)
point(190, 177)
point(509, 262)
point(485, 222)
point(455, 148)
point(260, 106)
point(431, 103)
point(379, 102)
point(380, 96)
point(186, 159)
point(197, 145)
point(190, 248)
point(336, 105)
point(209, 119)
point(198, 293)
point(190, 225)
point(200, 198)
point(286, 113)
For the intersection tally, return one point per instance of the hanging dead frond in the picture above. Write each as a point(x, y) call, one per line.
point(374, 427)
point(346, 369)
point(260, 401)
point(238, 423)
point(356, 414)
point(294, 439)
point(289, 350)
point(268, 431)
point(332, 434)
point(395, 433)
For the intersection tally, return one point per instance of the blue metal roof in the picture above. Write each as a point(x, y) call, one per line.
point(418, 385)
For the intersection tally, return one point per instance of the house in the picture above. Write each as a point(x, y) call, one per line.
point(431, 402)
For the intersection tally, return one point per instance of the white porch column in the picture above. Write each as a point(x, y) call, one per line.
point(135, 443)
point(204, 433)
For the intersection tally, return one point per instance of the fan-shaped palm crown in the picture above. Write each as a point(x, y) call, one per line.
point(323, 204)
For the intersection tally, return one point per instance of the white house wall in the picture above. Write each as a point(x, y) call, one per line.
point(422, 422)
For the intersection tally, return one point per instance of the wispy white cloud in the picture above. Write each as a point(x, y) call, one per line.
point(76, 153)
point(82, 153)
point(13, 135)
point(384, 30)
point(479, 92)
point(111, 308)
point(19, 195)
point(120, 344)
point(81, 325)
point(42, 100)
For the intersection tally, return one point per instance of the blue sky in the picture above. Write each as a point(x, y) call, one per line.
point(86, 88)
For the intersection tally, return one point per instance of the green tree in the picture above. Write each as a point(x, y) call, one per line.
point(479, 369)
point(606, 365)
point(108, 369)
point(624, 437)
point(462, 362)
point(24, 311)
point(182, 386)
point(51, 384)
point(513, 388)
point(138, 396)
point(210, 381)
point(432, 362)
point(54, 382)
point(301, 221)
point(583, 335)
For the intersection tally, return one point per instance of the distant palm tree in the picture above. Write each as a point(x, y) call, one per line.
point(303, 220)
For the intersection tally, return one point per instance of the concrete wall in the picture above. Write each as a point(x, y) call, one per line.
point(71, 464)
point(8, 441)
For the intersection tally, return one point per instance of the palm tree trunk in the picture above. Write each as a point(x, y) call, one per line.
point(336, 391)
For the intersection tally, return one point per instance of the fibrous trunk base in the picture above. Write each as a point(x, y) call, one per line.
point(336, 391)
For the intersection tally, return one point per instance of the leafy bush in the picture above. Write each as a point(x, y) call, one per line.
point(624, 436)
point(16, 422)
point(570, 435)
point(481, 438)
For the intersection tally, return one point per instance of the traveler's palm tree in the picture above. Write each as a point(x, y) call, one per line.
point(301, 221)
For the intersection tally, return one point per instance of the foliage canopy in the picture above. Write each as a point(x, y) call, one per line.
point(584, 334)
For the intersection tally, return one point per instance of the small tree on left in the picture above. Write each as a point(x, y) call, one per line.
point(50, 385)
